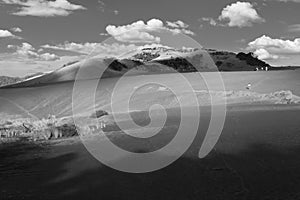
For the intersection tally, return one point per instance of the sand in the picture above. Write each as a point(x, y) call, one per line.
point(256, 156)
point(56, 99)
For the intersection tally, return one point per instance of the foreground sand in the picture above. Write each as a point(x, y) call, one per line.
point(257, 157)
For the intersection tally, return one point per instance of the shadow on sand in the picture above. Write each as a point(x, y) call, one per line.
point(260, 172)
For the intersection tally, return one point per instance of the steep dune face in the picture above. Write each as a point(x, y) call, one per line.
point(65, 73)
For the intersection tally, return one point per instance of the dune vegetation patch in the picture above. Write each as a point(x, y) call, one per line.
point(51, 127)
point(204, 97)
point(44, 129)
point(278, 97)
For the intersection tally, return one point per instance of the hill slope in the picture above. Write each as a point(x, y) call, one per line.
point(153, 60)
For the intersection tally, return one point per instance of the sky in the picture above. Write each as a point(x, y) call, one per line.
point(42, 35)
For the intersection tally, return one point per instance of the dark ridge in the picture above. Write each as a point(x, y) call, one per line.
point(251, 59)
point(179, 64)
point(117, 66)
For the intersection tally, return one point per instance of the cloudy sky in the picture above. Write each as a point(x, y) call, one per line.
point(41, 35)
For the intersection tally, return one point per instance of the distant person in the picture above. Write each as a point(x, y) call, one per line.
point(249, 86)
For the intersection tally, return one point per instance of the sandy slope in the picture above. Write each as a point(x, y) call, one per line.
point(255, 158)
point(57, 98)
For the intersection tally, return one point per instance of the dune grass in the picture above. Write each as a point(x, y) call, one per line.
point(43, 129)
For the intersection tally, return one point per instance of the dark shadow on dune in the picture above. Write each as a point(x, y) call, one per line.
point(260, 172)
point(15, 155)
point(24, 170)
point(255, 158)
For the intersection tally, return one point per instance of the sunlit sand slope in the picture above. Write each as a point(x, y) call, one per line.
point(280, 87)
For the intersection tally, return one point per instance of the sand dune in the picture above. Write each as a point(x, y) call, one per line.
point(280, 87)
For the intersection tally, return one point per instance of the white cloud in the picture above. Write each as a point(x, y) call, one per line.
point(277, 46)
point(102, 49)
point(210, 20)
point(186, 31)
point(48, 57)
point(135, 32)
point(103, 34)
point(263, 54)
point(16, 29)
point(27, 51)
point(267, 48)
point(134, 36)
point(6, 33)
point(43, 8)
point(240, 14)
point(177, 24)
point(84, 48)
point(140, 32)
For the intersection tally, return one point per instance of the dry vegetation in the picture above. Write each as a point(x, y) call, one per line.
point(50, 127)
point(44, 129)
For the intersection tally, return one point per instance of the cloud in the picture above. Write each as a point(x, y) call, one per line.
point(267, 48)
point(102, 49)
point(6, 33)
point(263, 54)
point(135, 32)
point(27, 51)
point(294, 28)
point(16, 29)
point(104, 34)
point(210, 20)
point(43, 8)
point(134, 36)
point(140, 32)
point(240, 14)
point(177, 24)
point(179, 27)
point(278, 46)
point(84, 48)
